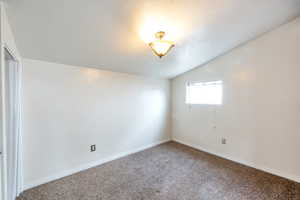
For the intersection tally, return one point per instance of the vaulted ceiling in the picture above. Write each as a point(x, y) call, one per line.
point(113, 34)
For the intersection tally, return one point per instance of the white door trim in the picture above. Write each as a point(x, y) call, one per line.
point(3, 156)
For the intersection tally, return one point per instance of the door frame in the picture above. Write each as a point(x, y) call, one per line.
point(3, 118)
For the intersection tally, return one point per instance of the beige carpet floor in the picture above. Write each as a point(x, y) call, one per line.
point(170, 171)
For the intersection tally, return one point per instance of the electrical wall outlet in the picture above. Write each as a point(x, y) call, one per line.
point(224, 141)
point(93, 147)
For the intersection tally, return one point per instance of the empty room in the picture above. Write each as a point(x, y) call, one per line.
point(149, 100)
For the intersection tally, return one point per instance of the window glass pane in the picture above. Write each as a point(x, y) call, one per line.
point(204, 93)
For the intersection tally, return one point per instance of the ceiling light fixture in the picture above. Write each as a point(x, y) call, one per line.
point(161, 47)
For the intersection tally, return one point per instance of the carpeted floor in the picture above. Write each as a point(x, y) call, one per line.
point(168, 172)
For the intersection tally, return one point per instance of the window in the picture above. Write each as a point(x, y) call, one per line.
point(204, 93)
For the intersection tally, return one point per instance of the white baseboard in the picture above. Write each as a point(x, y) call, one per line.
point(243, 162)
point(87, 166)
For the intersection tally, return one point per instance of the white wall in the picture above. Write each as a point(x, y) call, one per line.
point(7, 35)
point(67, 109)
point(260, 115)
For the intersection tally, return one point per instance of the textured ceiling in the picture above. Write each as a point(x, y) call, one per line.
point(112, 34)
